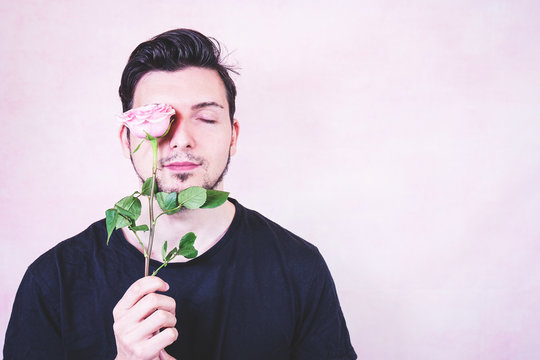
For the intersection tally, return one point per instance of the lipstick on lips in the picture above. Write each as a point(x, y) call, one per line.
point(181, 166)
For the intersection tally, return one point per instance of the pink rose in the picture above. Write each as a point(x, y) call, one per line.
point(153, 119)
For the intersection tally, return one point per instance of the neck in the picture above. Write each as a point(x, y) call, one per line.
point(208, 224)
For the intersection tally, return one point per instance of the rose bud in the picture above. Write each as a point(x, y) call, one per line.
point(152, 119)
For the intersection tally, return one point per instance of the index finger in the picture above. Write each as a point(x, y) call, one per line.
point(140, 288)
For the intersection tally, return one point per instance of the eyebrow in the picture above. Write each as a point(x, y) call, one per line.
point(206, 104)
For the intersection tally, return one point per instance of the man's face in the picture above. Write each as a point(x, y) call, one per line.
point(201, 139)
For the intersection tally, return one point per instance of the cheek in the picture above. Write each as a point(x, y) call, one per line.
point(221, 149)
point(143, 151)
point(142, 158)
point(216, 142)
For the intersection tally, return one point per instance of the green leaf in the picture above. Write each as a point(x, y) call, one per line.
point(142, 227)
point(166, 201)
point(171, 255)
point(111, 216)
point(164, 250)
point(149, 137)
point(186, 248)
point(193, 197)
point(137, 148)
point(122, 221)
point(215, 198)
point(187, 239)
point(189, 253)
point(147, 187)
point(130, 207)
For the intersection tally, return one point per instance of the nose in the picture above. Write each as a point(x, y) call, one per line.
point(180, 135)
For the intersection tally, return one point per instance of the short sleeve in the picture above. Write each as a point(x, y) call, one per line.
point(34, 327)
point(321, 331)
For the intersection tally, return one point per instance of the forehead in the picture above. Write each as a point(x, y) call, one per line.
point(180, 88)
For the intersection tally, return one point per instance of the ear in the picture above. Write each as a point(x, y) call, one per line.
point(234, 136)
point(124, 141)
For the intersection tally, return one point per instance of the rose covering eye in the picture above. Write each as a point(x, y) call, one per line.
point(152, 119)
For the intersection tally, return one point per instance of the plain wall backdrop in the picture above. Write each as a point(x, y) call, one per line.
point(399, 137)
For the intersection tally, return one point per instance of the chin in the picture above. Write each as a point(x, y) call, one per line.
point(178, 186)
point(176, 182)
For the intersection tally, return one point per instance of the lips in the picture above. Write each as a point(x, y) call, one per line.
point(181, 166)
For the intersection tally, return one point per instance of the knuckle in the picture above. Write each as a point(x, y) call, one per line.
point(152, 299)
point(116, 328)
point(171, 334)
point(175, 333)
point(115, 313)
point(136, 288)
point(161, 316)
point(118, 311)
point(139, 350)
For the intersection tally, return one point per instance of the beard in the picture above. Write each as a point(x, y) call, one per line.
point(208, 184)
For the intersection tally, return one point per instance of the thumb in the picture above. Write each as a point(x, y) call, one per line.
point(164, 356)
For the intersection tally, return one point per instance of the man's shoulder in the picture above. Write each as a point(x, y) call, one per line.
point(268, 234)
point(256, 222)
point(73, 250)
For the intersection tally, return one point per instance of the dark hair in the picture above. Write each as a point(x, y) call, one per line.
point(175, 50)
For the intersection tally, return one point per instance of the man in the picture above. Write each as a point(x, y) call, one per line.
point(255, 291)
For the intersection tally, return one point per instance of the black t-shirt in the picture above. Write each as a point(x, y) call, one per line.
point(260, 293)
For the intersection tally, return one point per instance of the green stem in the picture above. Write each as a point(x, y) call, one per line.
point(170, 211)
point(165, 262)
point(163, 213)
point(151, 207)
point(159, 268)
point(157, 217)
point(142, 244)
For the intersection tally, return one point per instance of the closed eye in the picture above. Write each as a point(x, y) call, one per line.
point(208, 121)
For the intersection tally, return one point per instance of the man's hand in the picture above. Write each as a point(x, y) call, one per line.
point(139, 316)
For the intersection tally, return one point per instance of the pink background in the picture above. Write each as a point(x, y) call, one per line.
point(401, 138)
